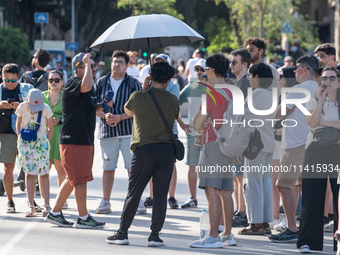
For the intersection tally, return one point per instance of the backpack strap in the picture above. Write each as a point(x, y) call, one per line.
point(38, 121)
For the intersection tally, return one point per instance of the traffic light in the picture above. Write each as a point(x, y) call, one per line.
point(203, 49)
point(145, 54)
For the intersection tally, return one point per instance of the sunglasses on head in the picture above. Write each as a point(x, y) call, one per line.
point(331, 78)
point(199, 69)
point(10, 80)
point(56, 80)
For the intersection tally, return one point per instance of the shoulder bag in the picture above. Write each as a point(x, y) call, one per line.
point(31, 135)
point(179, 147)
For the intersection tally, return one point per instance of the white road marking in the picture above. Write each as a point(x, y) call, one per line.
point(7, 248)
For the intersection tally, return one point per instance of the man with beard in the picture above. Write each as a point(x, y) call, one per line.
point(38, 77)
point(257, 48)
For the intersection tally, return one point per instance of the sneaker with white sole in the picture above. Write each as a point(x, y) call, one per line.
point(65, 206)
point(154, 240)
point(120, 237)
point(282, 225)
point(190, 202)
point(104, 207)
point(10, 207)
point(141, 207)
point(89, 223)
point(58, 220)
point(207, 242)
point(228, 240)
point(329, 227)
point(305, 249)
point(276, 222)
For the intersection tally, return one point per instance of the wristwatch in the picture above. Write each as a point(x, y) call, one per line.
point(321, 104)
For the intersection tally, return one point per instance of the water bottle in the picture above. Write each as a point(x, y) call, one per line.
point(204, 224)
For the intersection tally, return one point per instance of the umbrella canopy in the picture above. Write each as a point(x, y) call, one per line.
point(146, 32)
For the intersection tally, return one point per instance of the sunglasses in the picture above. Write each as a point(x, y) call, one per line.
point(330, 78)
point(233, 63)
point(199, 70)
point(56, 80)
point(10, 80)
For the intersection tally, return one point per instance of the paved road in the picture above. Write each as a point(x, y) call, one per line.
point(20, 235)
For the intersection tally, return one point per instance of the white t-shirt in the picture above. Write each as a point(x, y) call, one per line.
point(29, 118)
point(145, 72)
point(263, 100)
point(293, 137)
point(133, 72)
point(330, 113)
point(190, 66)
point(115, 86)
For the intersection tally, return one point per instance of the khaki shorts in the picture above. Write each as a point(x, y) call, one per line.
point(77, 161)
point(293, 160)
point(8, 148)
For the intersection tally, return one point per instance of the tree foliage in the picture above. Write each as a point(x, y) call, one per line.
point(140, 7)
point(264, 19)
point(14, 46)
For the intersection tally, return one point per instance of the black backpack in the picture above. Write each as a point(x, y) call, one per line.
point(37, 82)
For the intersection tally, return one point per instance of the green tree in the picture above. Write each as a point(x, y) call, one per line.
point(265, 19)
point(140, 7)
point(14, 46)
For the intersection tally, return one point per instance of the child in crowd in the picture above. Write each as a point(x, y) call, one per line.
point(34, 155)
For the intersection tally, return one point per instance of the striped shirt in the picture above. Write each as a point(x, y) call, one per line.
point(127, 87)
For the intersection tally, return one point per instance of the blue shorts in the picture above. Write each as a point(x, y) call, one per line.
point(110, 148)
point(193, 152)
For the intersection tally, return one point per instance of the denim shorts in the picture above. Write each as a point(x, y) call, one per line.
point(110, 148)
point(193, 152)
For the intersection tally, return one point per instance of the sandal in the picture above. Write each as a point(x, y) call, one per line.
point(46, 211)
point(252, 230)
point(266, 228)
point(30, 212)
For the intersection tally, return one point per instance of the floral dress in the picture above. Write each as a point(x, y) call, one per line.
point(34, 156)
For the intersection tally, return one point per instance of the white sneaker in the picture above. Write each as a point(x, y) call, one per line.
point(104, 207)
point(228, 240)
point(276, 222)
point(207, 242)
point(65, 206)
point(305, 249)
point(329, 227)
point(141, 207)
point(282, 225)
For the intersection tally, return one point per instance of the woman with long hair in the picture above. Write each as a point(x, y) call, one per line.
point(321, 161)
point(52, 97)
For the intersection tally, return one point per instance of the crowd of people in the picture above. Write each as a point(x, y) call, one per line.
point(47, 121)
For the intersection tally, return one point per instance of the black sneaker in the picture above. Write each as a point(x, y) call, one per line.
point(120, 237)
point(239, 221)
point(10, 207)
point(286, 236)
point(148, 202)
point(89, 223)
point(154, 240)
point(58, 220)
point(173, 203)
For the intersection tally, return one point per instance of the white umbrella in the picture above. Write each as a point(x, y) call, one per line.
point(146, 32)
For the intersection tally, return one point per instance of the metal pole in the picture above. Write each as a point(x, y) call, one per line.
point(73, 24)
point(42, 34)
